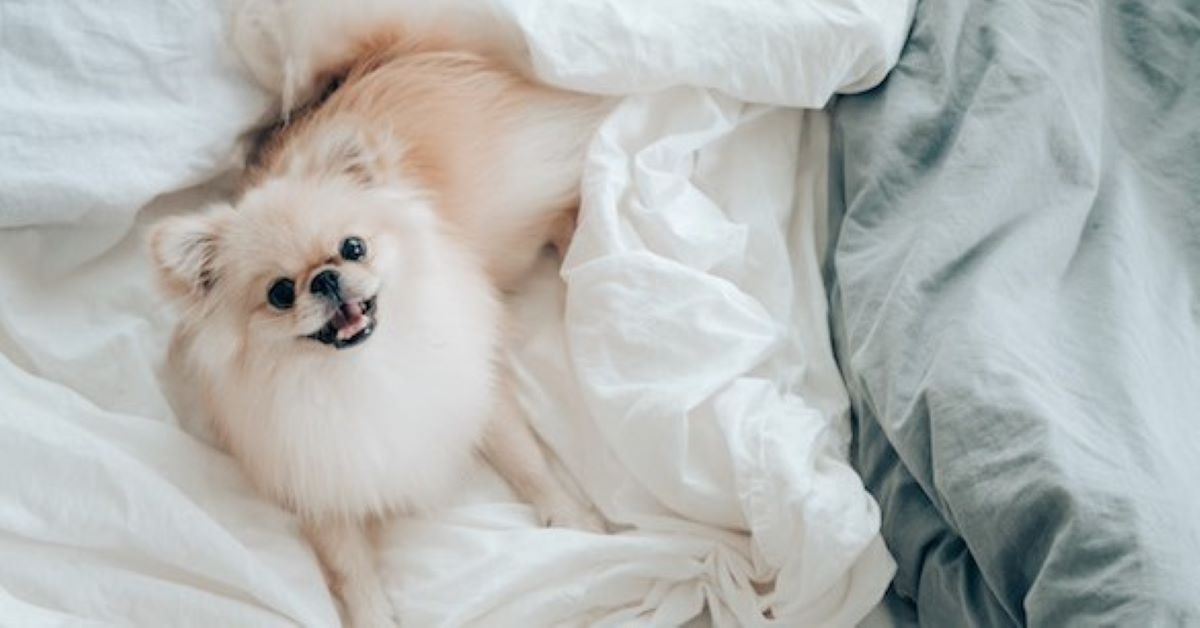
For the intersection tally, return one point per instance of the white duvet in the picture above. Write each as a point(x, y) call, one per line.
point(680, 366)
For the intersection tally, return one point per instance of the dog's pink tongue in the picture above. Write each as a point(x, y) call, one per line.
point(349, 320)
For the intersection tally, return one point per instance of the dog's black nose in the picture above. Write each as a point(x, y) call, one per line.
point(325, 284)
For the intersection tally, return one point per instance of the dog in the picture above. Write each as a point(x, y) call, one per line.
point(341, 322)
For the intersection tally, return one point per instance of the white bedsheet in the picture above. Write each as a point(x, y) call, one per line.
point(682, 371)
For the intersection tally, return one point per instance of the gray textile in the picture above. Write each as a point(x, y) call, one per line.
point(1016, 307)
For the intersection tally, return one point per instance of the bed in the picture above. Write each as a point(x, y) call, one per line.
point(1015, 305)
point(832, 346)
point(679, 365)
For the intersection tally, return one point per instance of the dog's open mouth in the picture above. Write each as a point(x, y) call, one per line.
point(350, 324)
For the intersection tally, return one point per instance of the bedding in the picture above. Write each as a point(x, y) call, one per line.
point(679, 366)
point(1016, 291)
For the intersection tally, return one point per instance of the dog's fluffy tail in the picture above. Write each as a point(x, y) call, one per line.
point(294, 47)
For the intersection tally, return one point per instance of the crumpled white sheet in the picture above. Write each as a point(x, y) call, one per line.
point(683, 373)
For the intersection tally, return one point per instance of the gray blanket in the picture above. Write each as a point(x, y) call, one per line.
point(1016, 296)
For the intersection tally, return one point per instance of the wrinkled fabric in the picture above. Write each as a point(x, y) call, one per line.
point(679, 365)
point(103, 106)
point(1018, 284)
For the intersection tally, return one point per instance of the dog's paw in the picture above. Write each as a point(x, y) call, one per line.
point(382, 617)
point(571, 515)
point(257, 32)
point(562, 232)
point(371, 611)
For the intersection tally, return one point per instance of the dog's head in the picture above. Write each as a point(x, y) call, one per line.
point(298, 265)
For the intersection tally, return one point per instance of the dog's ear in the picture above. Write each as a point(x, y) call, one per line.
point(345, 151)
point(184, 249)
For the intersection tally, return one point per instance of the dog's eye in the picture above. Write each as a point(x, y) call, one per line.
point(353, 249)
point(282, 294)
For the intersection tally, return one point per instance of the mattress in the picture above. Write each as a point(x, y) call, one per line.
point(678, 364)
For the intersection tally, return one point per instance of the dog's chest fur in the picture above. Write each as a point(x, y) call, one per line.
point(388, 426)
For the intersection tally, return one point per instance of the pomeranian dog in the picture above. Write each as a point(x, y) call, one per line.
point(342, 322)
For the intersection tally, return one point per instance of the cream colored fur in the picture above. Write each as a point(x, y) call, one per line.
point(456, 172)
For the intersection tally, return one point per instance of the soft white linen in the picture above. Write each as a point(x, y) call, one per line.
point(105, 105)
point(682, 373)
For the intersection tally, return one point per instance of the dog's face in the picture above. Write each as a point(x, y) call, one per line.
point(297, 266)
